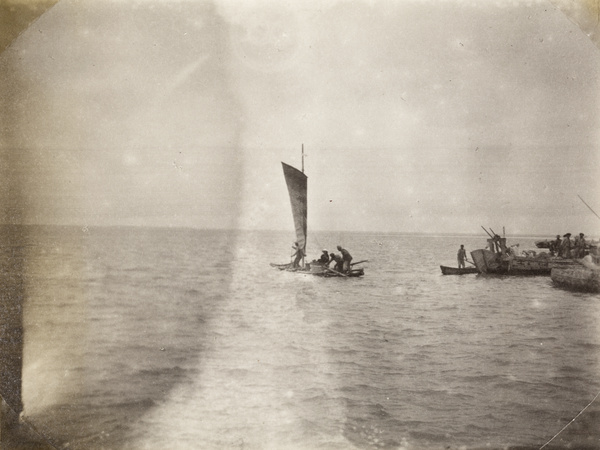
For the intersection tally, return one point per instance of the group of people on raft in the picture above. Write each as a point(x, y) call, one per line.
point(341, 262)
point(567, 248)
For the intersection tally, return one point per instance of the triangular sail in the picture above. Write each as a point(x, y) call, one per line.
point(297, 187)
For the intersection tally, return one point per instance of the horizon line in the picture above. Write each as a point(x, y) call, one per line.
point(86, 227)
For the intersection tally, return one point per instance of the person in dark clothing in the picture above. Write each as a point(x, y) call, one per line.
point(461, 257)
point(565, 246)
point(581, 246)
point(555, 246)
point(324, 259)
point(338, 260)
point(347, 258)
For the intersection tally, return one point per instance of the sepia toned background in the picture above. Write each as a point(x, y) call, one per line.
point(123, 112)
point(414, 116)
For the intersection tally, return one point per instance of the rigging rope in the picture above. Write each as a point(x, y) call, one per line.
point(572, 420)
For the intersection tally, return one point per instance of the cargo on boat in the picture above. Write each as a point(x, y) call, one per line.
point(498, 259)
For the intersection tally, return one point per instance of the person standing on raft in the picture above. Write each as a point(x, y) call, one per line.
point(337, 262)
point(298, 254)
point(346, 257)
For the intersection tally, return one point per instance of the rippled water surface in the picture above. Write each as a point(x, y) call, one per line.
point(156, 338)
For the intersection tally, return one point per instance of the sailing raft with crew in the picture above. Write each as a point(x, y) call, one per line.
point(327, 265)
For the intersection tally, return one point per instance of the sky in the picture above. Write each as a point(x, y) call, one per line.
point(414, 115)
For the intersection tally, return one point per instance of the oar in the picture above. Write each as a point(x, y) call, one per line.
point(335, 271)
point(364, 260)
point(470, 263)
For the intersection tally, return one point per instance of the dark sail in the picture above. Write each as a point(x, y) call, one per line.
point(297, 187)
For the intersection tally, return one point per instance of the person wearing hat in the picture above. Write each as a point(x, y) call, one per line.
point(581, 245)
point(565, 247)
point(324, 259)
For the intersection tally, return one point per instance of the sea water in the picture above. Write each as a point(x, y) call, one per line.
point(142, 338)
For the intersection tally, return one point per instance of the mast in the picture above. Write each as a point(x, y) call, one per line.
point(306, 226)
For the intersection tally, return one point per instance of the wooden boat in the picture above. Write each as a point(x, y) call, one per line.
point(297, 183)
point(543, 244)
point(579, 278)
point(500, 260)
point(585, 276)
point(458, 270)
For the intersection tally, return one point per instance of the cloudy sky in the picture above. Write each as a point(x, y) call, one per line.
point(435, 116)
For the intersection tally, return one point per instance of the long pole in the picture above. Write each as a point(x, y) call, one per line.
point(305, 237)
point(588, 206)
point(487, 232)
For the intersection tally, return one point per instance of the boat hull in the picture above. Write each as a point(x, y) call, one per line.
point(543, 244)
point(458, 271)
point(490, 262)
point(578, 278)
point(352, 274)
point(319, 270)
